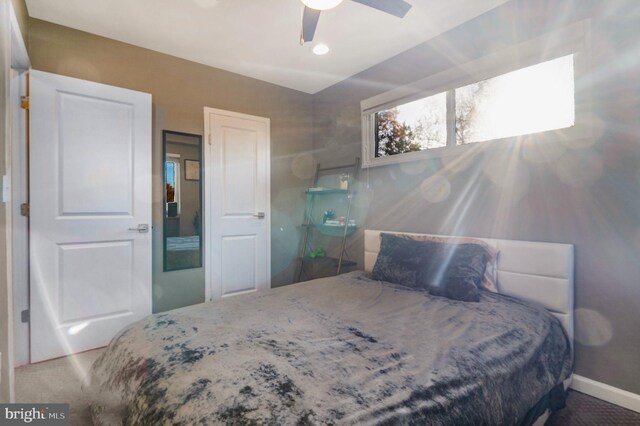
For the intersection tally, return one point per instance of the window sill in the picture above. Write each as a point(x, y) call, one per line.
point(550, 140)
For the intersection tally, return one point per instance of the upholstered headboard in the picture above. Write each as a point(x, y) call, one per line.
point(537, 272)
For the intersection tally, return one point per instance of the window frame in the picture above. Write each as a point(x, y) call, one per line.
point(575, 41)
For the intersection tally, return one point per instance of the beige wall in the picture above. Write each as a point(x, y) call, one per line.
point(589, 196)
point(180, 90)
point(20, 8)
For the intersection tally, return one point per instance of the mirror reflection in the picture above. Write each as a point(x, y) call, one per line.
point(183, 200)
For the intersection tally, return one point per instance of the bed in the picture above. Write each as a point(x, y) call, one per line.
point(182, 252)
point(191, 243)
point(352, 350)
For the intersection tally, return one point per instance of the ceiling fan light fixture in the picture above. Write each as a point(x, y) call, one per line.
point(321, 4)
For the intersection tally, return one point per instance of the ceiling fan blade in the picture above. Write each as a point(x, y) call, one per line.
point(397, 8)
point(310, 19)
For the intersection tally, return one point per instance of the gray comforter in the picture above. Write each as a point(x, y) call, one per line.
point(341, 350)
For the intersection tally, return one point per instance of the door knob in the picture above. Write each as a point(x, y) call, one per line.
point(260, 215)
point(142, 228)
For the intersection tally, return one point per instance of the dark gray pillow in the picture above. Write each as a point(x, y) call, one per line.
point(401, 261)
point(455, 271)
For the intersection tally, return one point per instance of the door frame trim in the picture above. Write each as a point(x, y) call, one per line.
point(19, 245)
point(17, 157)
point(206, 155)
point(15, 140)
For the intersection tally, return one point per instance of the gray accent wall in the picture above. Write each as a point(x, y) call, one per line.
point(582, 192)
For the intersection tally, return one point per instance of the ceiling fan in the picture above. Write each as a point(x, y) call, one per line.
point(313, 8)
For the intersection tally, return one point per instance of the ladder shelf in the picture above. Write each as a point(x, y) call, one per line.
point(312, 265)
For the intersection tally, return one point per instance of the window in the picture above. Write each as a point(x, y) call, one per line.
point(524, 92)
point(414, 126)
point(172, 182)
point(530, 100)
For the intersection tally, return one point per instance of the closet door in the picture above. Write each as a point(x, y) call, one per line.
point(238, 256)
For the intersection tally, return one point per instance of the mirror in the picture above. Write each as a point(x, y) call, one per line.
point(182, 200)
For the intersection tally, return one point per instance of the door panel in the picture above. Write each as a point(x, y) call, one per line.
point(96, 154)
point(90, 188)
point(237, 199)
point(110, 275)
point(239, 150)
point(239, 264)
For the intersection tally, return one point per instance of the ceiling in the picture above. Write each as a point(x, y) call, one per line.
point(259, 38)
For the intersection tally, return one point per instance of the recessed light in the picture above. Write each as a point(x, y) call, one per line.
point(320, 49)
point(321, 4)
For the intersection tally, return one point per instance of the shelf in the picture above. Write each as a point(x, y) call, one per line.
point(315, 233)
point(329, 260)
point(328, 191)
point(331, 230)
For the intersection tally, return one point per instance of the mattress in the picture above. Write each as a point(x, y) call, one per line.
point(340, 350)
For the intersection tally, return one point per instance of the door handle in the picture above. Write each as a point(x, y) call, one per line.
point(260, 215)
point(142, 228)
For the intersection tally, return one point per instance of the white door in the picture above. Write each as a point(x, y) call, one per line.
point(238, 247)
point(90, 189)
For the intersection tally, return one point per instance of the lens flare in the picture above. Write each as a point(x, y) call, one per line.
point(303, 166)
point(77, 328)
point(509, 175)
point(537, 153)
point(435, 189)
point(414, 167)
point(579, 168)
point(457, 163)
point(592, 328)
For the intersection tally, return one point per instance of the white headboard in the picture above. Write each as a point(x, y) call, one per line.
point(536, 272)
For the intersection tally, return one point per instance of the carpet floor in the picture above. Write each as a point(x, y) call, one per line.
point(585, 410)
point(60, 381)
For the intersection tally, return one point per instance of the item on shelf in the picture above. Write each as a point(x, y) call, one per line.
point(335, 222)
point(344, 181)
point(340, 221)
point(328, 215)
point(319, 252)
point(318, 189)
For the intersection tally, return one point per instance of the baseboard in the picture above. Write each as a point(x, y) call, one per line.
point(607, 393)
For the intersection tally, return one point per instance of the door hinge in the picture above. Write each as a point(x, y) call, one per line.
point(25, 316)
point(24, 209)
point(24, 102)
